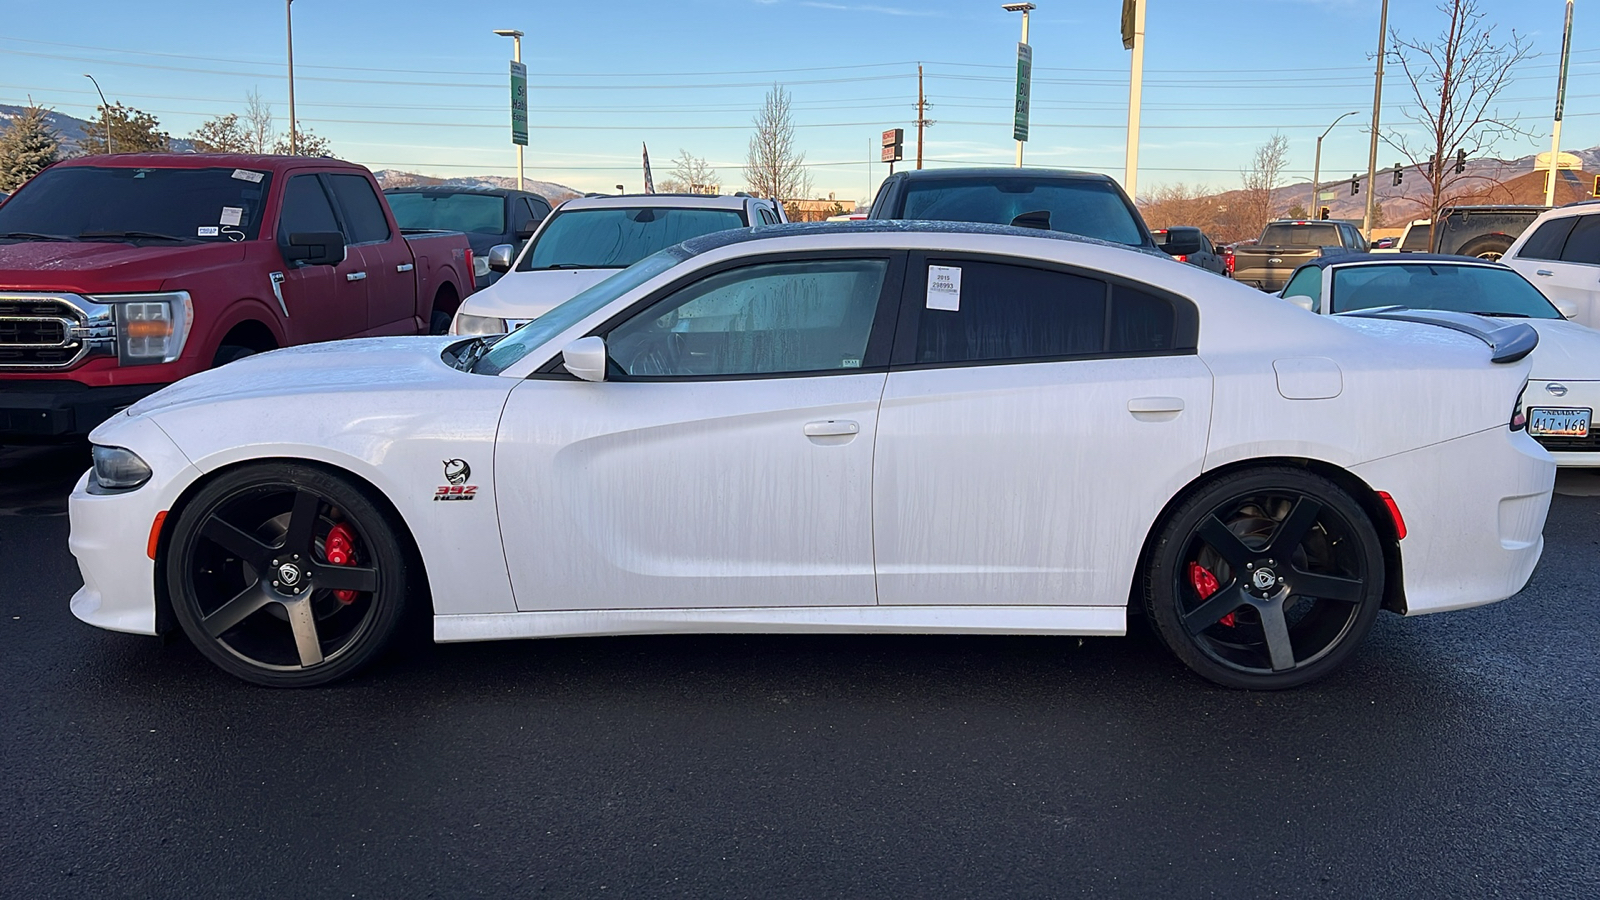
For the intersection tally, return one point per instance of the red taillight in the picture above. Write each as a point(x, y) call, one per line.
point(471, 272)
point(1228, 260)
point(1394, 513)
point(1182, 257)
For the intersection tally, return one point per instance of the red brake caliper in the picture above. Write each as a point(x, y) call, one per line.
point(1205, 584)
point(340, 550)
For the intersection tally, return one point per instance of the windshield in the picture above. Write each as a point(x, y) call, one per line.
point(1300, 236)
point(1484, 290)
point(618, 237)
point(1089, 208)
point(518, 344)
point(438, 211)
point(124, 203)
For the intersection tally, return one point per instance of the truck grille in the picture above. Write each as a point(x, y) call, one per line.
point(39, 332)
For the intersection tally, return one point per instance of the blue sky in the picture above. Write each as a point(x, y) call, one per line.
point(422, 86)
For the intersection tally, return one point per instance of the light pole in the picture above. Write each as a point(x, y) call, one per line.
point(1316, 169)
point(288, 21)
point(1561, 101)
point(105, 109)
point(1023, 8)
point(1372, 152)
point(516, 57)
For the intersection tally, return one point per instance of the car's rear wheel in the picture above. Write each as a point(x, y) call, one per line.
point(1491, 247)
point(1265, 579)
point(286, 575)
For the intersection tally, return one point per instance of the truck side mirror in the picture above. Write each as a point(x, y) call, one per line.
point(500, 257)
point(315, 248)
point(526, 229)
point(1183, 241)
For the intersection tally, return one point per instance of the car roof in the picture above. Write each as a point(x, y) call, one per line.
point(660, 201)
point(989, 173)
point(210, 161)
point(1395, 259)
point(704, 243)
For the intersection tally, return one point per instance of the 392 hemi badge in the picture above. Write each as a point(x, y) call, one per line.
point(456, 471)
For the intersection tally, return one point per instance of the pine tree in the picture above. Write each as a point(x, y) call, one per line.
point(27, 146)
point(132, 131)
point(221, 134)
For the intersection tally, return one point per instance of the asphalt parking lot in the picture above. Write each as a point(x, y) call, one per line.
point(1457, 757)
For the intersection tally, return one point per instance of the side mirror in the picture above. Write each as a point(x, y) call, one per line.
point(1183, 241)
point(1567, 309)
point(315, 248)
point(1302, 301)
point(500, 257)
point(586, 358)
point(526, 229)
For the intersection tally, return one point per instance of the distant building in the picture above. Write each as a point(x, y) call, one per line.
point(817, 210)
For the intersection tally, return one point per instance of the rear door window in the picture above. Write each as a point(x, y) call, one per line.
point(363, 211)
point(1548, 241)
point(982, 311)
point(1583, 245)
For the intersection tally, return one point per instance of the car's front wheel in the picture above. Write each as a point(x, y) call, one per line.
point(1265, 579)
point(286, 575)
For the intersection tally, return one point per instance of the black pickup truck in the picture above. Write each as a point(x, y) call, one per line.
point(1288, 244)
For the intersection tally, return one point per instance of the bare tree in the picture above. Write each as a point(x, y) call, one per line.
point(1254, 208)
point(257, 124)
point(691, 175)
point(1179, 204)
point(1455, 81)
point(773, 166)
point(307, 143)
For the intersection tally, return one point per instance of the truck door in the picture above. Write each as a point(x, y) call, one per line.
point(322, 302)
point(391, 279)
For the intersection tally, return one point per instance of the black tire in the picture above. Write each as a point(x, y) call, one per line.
point(252, 587)
point(439, 322)
point(1263, 539)
point(228, 353)
point(1491, 247)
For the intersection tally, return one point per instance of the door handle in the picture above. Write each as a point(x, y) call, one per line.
point(832, 428)
point(1142, 405)
point(404, 267)
point(1545, 272)
point(355, 276)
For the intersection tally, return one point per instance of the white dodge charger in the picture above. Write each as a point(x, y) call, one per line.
point(884, 427)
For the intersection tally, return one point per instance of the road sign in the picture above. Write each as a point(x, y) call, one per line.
point(519, 104)
point(1019, 129)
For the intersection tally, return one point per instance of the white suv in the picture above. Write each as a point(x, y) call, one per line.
point(588, 239)
point(1560, 254)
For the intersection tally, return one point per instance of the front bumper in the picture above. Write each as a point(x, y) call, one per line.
point(58, 409)
point(1581, 452)
point(1475, 509)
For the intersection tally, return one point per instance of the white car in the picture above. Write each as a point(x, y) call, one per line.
point(1564, 387)
point(589, 239)
point(1413, 240)
point(879, 427)
point(1560, 254)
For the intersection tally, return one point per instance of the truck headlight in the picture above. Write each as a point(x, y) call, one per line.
point(150, 328)
point(117, 469)
point(468, 324)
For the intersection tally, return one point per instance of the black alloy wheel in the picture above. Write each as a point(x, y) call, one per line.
point(286, 575)
point(1265, 579)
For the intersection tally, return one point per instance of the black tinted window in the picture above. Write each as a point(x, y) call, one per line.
point(363, 211)
point(1300, 236)
point(1416, 239)
point(1090, 208)
point(990, 311)
point(1547, 242)
point(1583, 246)
point(1140, 322)
point(196, 204)
point(305, 208)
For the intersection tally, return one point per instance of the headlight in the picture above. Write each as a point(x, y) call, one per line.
point(116, 469)
point(150, 328)
point(466, 324)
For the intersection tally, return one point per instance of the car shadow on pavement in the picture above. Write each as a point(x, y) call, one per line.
point(35, 481)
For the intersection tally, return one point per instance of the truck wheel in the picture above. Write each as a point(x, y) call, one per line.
point(439, 323)
point(227, 353)
point(1490, 247)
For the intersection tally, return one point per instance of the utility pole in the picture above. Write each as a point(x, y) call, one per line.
point(288, 19)
point(1372, 152)
point(516, 59)
point(922, 111)
point(1561, 100)
point(1135, 42)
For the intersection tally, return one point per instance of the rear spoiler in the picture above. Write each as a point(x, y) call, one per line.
point(1508, 341)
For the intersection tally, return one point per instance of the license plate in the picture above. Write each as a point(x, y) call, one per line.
point(1558, 422)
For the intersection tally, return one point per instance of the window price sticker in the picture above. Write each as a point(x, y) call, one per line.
point(944, 288)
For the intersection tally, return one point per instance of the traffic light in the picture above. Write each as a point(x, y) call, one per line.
point(1461, 161)
point(1596, 180)
point(1355, 185)
point(1399, 174)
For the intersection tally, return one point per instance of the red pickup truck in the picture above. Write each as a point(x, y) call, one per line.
point(122, 274)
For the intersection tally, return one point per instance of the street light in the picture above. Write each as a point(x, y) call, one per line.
point(105, 109)
point(288, 21)
point(1316, 171)
point(1021, 8)
point(516, 57)
point(1372, 150)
